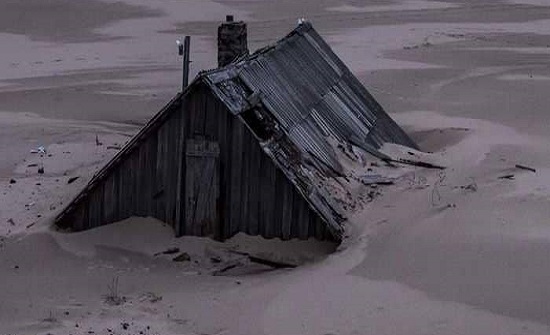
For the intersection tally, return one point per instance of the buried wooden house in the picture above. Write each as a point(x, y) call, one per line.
point(245, 146)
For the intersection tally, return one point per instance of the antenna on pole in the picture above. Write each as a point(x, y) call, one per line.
point(183, 50)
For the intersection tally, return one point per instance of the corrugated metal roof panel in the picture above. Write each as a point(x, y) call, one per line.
point(301, 74)
point(313, 142)
point(311, 96)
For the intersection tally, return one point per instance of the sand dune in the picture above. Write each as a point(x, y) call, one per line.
point(459, 251)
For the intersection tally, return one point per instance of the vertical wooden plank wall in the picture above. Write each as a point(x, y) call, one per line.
point(255, 196)
point(141, 184)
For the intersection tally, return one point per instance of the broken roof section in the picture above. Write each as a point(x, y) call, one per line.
point(311, 95)
point(304, 106)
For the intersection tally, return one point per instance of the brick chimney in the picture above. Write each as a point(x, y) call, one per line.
point(231, 41)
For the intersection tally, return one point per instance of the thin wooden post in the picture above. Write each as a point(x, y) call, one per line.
point(185, 79)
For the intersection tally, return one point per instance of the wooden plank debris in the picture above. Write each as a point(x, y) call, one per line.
point(265, 261)
point(421, 164)
point(523, 167)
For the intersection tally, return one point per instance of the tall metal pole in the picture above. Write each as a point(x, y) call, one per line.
point(185, 79)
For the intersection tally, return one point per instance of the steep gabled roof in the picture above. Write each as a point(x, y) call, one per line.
point(301, 102)
point(308, 102)
point(310, 93)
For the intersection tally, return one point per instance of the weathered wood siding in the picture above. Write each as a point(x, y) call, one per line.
point(140, 182)
point(149, 179)
point(201, 191)
point(255, 196)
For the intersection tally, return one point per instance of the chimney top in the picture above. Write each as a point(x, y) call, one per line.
point(231, 41)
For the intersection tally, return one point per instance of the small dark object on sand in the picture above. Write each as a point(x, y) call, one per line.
point(507, 176)
point(523, 167)
point(226, 268)
point(184, 257)
point(264, 261)
point(13, 181)
point(169, 251)
point(41, 170)
point(273, 264)
point(72, 179)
